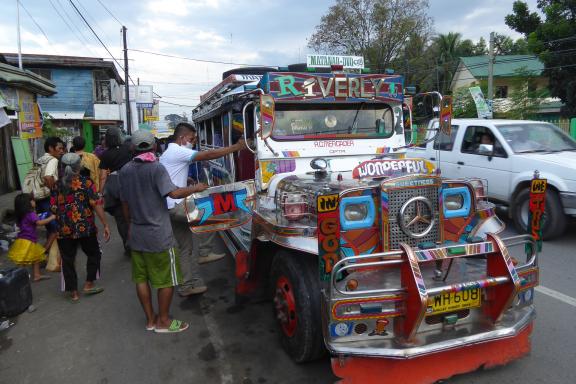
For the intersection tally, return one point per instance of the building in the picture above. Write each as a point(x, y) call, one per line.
point(20, 120)
point(508, 70)
point(90, 93)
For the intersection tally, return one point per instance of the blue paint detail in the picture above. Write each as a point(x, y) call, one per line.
point(467, 202)
point(75, 92)
point(368, 220)
point(240, 199)
point(349, 325)
point(207, 205)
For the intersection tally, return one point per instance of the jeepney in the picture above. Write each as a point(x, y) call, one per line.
point(374, 258)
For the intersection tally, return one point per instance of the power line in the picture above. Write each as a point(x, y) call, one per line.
point(100, 40)
point(86, 41)
point(110, 13)
point(194, 59)
point(177, 105)
point(93, 20)
point(35, 23)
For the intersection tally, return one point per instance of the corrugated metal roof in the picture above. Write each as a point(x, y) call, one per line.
point(54, 61)
point(16, 77)
point(504, 66)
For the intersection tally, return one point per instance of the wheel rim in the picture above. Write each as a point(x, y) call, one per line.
point(285, 305)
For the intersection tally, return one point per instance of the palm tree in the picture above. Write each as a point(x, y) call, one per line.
point(447, 52)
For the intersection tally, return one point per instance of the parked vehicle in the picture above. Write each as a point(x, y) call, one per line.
point(505, 153)
point(398, 273)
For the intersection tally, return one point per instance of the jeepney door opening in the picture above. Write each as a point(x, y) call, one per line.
point(244, 159)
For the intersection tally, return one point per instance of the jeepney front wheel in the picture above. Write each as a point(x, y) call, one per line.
point(296, 299)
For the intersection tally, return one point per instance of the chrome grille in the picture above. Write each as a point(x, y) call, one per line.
point(397, 198)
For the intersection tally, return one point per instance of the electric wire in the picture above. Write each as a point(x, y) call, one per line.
point(70, 28)
point(110, 13)
point(195, 59)
point(86, 41)
point(35, 23)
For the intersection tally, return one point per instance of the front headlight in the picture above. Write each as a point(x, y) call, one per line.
point(356, 212)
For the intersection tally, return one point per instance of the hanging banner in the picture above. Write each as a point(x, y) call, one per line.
point(29, 117)
point(484, 111)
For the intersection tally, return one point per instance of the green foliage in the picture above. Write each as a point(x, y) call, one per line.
point(525, 97)
point(376, 29)
point(48, 128)
point(174, 119)
point(554, 40)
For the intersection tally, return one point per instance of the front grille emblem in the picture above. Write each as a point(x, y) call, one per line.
point(416, 217)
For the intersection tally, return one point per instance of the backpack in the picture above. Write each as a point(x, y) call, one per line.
point(34, 184)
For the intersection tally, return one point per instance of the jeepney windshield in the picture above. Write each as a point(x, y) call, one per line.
point(333, 121)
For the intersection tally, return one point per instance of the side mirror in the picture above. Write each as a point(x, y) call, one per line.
point(486, 149)
point(267, 115)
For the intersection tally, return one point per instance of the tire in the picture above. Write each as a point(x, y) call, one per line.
point(554, 222)
point(296, 299)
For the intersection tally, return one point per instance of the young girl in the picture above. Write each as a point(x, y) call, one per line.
point(26, 250)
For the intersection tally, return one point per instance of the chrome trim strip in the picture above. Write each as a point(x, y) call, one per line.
point(362, 349)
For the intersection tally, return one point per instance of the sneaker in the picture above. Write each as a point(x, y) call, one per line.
point(193, 291)
point(210, 257)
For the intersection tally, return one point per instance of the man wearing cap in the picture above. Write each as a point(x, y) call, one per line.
point(195, 249)
point(144, 185)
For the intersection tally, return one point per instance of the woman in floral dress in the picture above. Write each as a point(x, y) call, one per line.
point(74, 203)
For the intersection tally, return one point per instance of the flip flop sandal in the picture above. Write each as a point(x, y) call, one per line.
point(93, 291)
point(175, 327)
point(43, 277)
point(73, 301)
point(150, 328)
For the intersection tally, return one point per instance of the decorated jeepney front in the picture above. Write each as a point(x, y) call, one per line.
point(408, 264)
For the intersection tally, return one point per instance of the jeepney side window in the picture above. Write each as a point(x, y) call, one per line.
point(218, 138)
point(209, 141)
point(226, 128)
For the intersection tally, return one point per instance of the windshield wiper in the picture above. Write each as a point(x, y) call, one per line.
point(352, 128)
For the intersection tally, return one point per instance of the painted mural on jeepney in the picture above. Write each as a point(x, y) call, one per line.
point(392, 168)
point(223, 207)
point(325, 87)
point(328, 234)
point(270, 168)
point(362, 240)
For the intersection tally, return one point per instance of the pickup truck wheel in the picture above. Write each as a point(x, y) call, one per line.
point(554, 221)
point(296, 295)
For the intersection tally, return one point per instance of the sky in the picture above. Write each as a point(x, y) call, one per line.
point(258, 32)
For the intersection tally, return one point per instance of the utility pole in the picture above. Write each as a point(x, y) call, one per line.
point(19, 43)
point(491, 71)
point(126, 85)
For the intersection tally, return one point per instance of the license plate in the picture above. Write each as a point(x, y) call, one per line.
point(454, 301)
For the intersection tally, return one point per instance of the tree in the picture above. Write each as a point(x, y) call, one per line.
point(554, 41)
point(174, 119)
point(375, 29)
point(504, 45)
point(525, 97)
point(463, 103)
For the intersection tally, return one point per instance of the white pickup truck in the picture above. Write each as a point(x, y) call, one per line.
point(506, 153)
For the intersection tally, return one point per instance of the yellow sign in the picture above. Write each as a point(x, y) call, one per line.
point(538, 186)
point(29, 116)
point(327, 203)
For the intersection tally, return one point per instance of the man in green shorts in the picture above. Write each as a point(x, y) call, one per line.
point(144, 185)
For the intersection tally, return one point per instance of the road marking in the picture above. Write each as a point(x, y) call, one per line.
point(226, 376)
point(557, 295)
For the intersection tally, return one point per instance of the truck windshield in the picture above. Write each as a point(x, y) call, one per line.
point(321, 121)
point(542, 137)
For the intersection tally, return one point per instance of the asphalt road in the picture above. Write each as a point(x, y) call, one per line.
point(102, 339)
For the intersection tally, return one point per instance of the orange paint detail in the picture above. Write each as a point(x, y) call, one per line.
point(433, 367)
